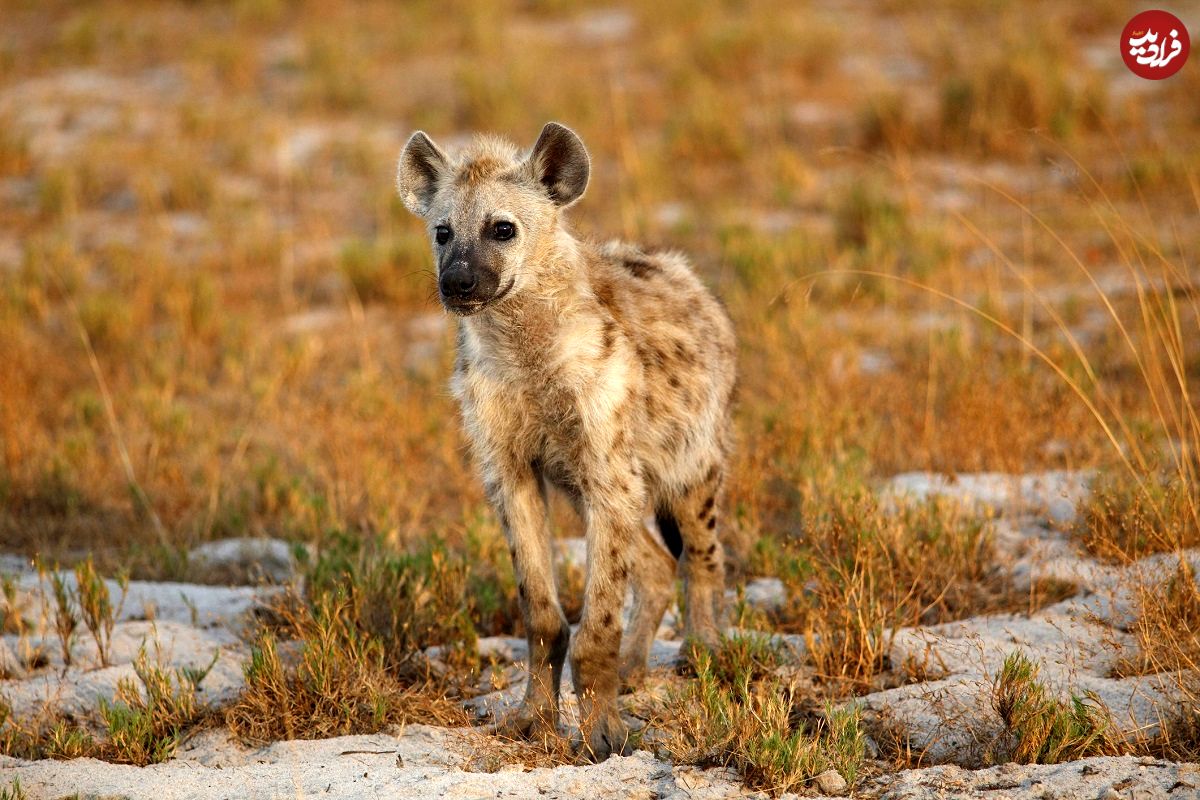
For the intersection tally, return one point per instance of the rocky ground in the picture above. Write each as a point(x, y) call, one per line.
point(947, 714)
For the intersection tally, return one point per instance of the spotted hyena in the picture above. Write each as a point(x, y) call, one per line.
point(604, 371)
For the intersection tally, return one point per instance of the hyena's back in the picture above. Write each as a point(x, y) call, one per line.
point(684, 342)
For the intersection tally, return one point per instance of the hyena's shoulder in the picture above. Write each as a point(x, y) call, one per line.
point(630, 263)
point(656, 287)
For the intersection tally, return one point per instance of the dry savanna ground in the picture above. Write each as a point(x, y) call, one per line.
point(954, 238)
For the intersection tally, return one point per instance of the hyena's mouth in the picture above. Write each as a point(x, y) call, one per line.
point(467, 308)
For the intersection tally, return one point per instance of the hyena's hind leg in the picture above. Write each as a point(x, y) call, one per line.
point(653, 584)
point(703, 559)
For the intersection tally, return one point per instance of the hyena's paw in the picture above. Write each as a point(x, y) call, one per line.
point(633, 667)
point(695, 647)
point(604, 735)
point(526, 722)
point(633, 674)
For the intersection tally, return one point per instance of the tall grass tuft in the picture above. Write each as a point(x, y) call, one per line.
point(148, 718)
point(96, 607)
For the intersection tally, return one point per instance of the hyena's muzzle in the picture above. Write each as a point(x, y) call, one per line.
point(468, 281)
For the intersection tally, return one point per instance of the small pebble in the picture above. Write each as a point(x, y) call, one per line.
point(830, 782)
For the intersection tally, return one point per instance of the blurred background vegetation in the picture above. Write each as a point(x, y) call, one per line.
point(953, 236)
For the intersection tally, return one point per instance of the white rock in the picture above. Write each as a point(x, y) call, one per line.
point(979, 645)
point(190, 603)
point(15, 565)
point(767, 594)
point(1085, 779)
point(1052, 494)
point(167, 644)
point(269, 559)
point(502, 648)
point(947, 720)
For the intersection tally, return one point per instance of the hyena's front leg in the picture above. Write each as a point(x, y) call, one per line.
point(521, 506)
point(613, 515)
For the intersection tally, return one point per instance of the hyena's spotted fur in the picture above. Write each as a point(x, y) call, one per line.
point(603, 371)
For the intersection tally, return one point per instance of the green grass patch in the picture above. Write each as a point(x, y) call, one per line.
point(1045, 729)
point(735, 713)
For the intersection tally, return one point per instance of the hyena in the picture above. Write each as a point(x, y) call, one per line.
point(602, 371)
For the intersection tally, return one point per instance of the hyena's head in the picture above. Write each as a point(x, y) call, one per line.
point(492, 210)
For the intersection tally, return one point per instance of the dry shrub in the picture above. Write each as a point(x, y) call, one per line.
point(48, 734)
point(96, 606)
point(744, 657)
point(358, 662)
point(431, 595)
point(340, 682)
point(894, 739)
point(1167, 627)
point(489, 753)
point(1179, 737)
point(1008, 95)
point(12, 609)
point(1167, 634)
point(1044, 729)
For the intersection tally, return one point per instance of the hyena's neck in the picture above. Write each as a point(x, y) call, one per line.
point(524, 330)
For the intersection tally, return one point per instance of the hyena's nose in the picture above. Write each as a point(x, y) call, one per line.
point(458, 282)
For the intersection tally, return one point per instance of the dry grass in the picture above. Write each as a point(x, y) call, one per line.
point(87, 602)
point(490, 752)
point(1166, 629)
point(856, 571)
point(408, 601)
point(46, 735)
point(148, 719)
point(1179, 739)
point(1167, 626)
point(236, 420)
point(1123, 522)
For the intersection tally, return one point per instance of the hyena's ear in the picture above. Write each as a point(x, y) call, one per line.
point(421, 164)
point(560, 162)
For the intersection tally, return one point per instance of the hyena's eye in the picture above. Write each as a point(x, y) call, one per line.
point(442, 233)
point(503, 231)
